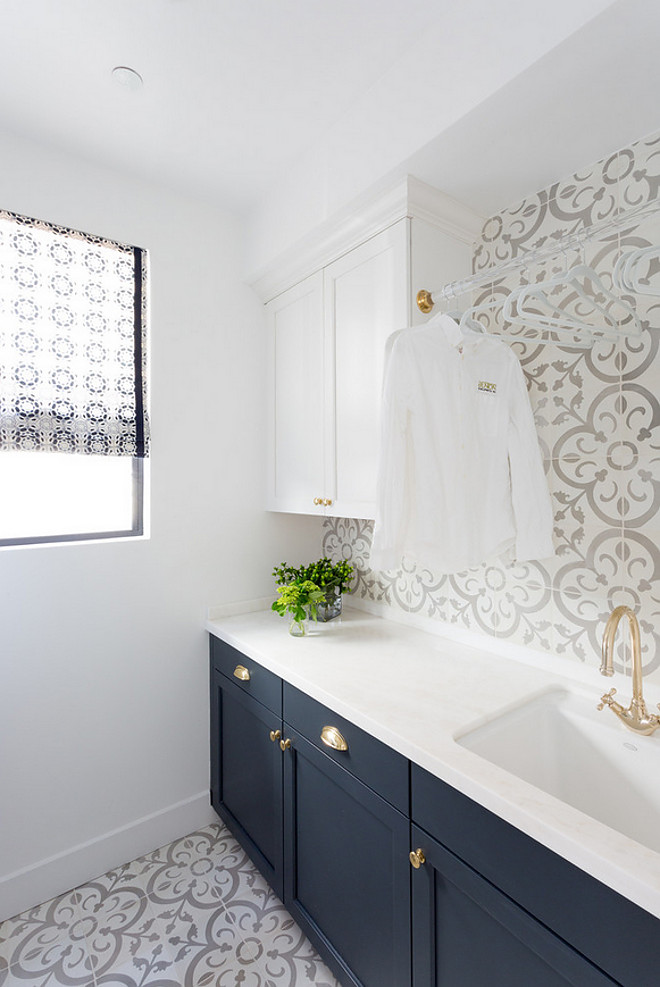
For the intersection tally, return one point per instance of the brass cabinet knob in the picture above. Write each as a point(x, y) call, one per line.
point(417, 858)
point(285, 744)
point(331, 737)
point(275, 735)
point(241, 672)
point(327, 503)
point(318, 501)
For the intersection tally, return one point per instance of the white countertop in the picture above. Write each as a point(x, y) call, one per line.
point(416, 690)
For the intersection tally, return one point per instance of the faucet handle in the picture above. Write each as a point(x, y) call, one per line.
point(608, 699)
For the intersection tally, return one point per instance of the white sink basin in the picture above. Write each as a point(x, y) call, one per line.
point(562, 744)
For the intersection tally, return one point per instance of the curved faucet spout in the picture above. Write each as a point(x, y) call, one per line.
point(636, 717)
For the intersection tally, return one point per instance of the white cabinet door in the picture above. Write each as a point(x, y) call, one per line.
point(296, 398)
point(366, 298)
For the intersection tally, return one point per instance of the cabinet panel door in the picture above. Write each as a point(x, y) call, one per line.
point(347, 879)
point(296, 398)
point(466, 932)
point(366, 299)
point(246, 775)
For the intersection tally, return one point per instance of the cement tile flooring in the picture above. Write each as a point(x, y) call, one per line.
point(195, 913)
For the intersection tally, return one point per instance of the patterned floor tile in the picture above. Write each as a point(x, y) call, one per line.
point(47, 943)
point(17, 978)
point(195, 913)
point(285, 958)
point(282, 956)
point(205, 945)
point(172, 869)
point(125, 937)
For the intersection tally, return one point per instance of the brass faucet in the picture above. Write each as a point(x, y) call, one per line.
point(636, 717)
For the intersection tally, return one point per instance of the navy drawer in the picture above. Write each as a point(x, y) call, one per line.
point(372, 762)
point(252, 678)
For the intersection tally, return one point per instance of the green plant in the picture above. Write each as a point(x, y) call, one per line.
point(323, 573)
point(296, 597)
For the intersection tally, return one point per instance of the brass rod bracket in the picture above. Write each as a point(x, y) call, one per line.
point(424, 301)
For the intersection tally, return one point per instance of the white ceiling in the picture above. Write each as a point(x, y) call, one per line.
point(484, 98)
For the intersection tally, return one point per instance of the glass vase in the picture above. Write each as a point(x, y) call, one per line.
point(330, 607)
point(297, 628)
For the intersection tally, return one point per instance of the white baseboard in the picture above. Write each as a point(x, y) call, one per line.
point(54, 875)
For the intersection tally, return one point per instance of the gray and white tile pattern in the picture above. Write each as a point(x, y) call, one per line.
point(195, 913)
point(597, 413)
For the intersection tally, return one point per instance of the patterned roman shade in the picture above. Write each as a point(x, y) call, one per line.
point(72, 341)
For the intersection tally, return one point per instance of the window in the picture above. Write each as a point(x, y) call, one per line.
point(74, 430)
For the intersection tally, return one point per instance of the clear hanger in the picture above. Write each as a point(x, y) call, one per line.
point(470, 321)
point(464, 319)
point(627, 274)
point(532, 306)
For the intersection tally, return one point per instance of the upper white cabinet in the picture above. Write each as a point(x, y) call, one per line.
point(365, 296)
point(327, 336)
point(296, 405)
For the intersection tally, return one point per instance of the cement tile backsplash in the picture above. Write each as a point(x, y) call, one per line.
point(597, 413)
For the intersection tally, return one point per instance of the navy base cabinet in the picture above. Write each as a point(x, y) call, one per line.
point(246, 760)
point(329, 815)
point(518, 901)
point(466, 932)
point(347, 876)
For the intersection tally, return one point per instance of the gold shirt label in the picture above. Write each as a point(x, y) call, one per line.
point(485, 385)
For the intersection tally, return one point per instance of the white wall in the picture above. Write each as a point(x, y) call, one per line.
point(434, 84)
point(103, 669)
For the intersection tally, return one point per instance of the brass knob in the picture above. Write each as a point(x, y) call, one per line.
point(424, 301)
point(241, 672)
point(275, 735)
point(318, 501)
point(331, 737)
point(417, 858)
point(327, 503)
point(285, 744)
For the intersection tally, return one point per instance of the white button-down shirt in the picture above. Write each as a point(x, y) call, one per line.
point(461, 477)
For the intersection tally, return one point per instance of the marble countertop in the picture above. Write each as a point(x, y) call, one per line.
point(415, 691)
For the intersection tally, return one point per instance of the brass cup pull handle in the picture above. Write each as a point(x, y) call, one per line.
point(275, 735)
point(241, 672)
point(285, 744)
point(417, 858)
point(331, 737)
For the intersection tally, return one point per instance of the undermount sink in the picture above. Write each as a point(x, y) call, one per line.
point(560, 743)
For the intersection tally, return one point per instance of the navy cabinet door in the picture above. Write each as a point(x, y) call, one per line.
point(467, 933)
point(347, 880)
point(246, 775)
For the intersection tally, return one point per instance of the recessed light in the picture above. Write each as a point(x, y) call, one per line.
point(127, 78)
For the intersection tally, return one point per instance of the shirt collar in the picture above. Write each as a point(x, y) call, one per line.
point(451, 329)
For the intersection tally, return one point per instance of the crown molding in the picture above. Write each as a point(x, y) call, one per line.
point(363, 218)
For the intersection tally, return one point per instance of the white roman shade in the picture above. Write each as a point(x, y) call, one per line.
point(72, 341)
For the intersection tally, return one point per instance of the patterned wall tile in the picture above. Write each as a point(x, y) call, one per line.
point(586, 198)
point(575, 396)
point(639, 179)
point(496, 600)
point(641, 592)
point(597, 413)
